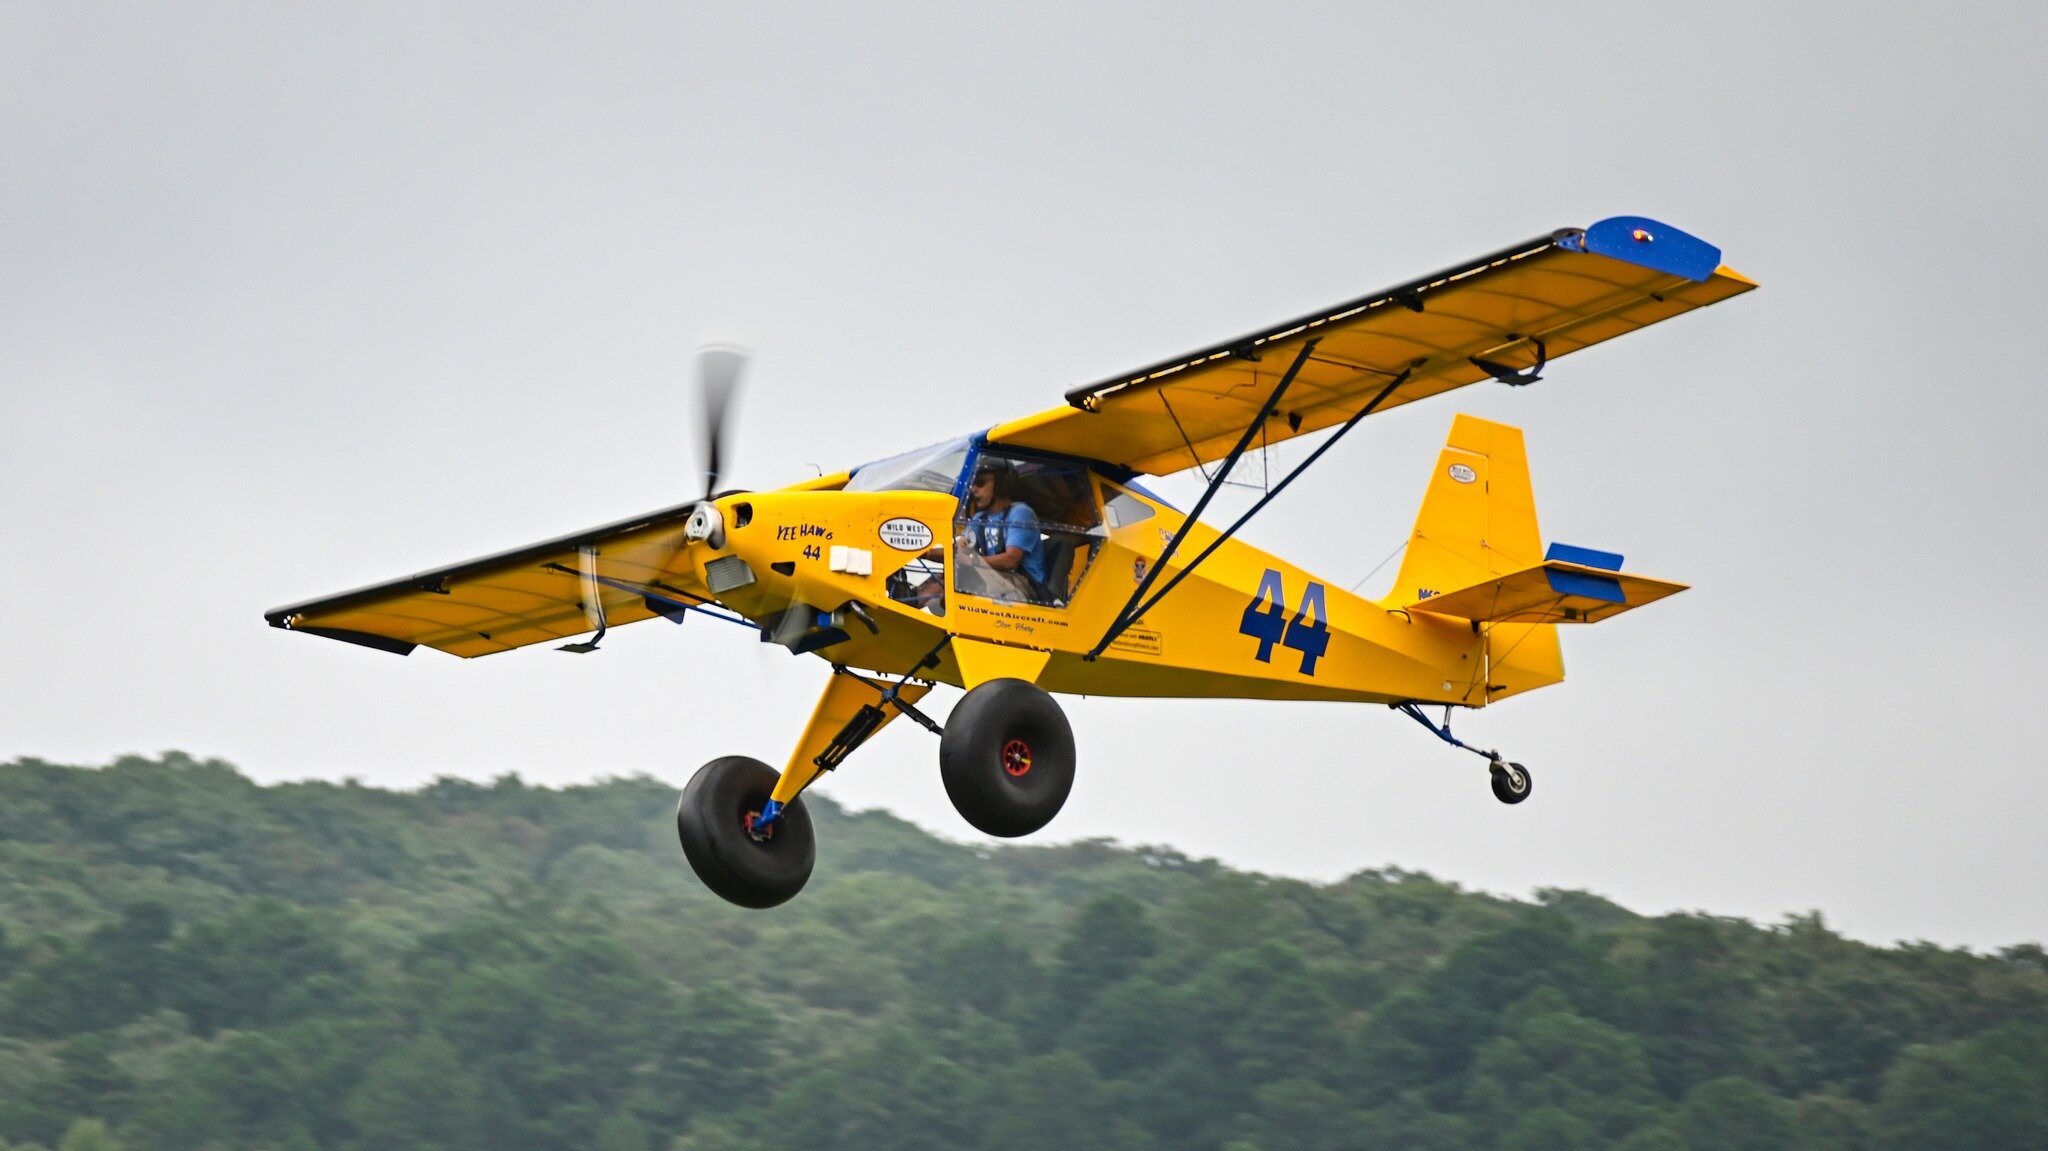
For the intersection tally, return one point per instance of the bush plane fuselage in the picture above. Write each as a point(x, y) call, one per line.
point(1028, 559)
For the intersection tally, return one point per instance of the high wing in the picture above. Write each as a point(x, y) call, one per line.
point(1502, 316)
point(618, 573)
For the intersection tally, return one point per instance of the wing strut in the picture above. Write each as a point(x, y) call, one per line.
point(660, 602)
point(1126, 617)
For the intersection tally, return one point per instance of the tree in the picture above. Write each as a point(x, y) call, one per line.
point(419, 1097)
point(236, 970)
point(716, 1057)
point(1655, 1137)
point(1830, 1123)
point(1298, 1115)
point(88, 1135)
point(1988, 1092)
point(1271, 1016)
point(461, 985)
point(1698, 1015)
point(1408, 1122)
point(86, 1084)
point(1550, 1129)
point(1734, 1114)
point(1133, 1028)
point(1550, 1057)
point(1057, 1101)
point(115, 974)
point(1429, 1031)
point(985, 970)
point(1108, 941)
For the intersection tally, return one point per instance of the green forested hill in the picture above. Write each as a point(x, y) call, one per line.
point(190, 960)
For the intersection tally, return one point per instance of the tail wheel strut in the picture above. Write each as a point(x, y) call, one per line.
point(1512, 782)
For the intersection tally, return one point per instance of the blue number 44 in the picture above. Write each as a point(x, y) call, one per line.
point(1266, 620)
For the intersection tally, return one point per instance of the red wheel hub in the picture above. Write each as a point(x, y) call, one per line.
point(1017, 757)
point(762, 836)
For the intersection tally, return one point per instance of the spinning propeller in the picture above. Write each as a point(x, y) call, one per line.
point(719, 368)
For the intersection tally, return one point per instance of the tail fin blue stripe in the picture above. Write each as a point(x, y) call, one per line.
point(1611, 561)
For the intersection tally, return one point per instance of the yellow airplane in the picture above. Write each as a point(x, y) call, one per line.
point(1029, 559)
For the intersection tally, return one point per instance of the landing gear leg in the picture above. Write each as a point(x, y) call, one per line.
point(1512, 782)
point(851, 710)
point(744, 827)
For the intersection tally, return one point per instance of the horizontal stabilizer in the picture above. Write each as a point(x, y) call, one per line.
point(1554, 591)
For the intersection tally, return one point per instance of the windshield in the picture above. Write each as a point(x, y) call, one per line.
point(932, 469)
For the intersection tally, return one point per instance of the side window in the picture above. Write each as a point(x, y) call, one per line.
point(922, 583)
point(1026, 531)
point(1123, 508)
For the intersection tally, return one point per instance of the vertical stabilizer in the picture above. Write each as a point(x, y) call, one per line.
point(1478, 518)
point(1478, 522)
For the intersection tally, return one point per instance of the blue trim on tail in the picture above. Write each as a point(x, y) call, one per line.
point(1585, 557)
point(1581, 584)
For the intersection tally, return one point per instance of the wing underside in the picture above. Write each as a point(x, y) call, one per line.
point(616, 574)
point(1500, 317)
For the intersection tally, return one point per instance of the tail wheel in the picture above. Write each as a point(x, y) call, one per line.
point(1007, 758)
point(743, 863)
point(1511, 782)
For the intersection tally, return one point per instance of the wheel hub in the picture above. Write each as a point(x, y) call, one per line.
point(761, 834)
point(1017, 757)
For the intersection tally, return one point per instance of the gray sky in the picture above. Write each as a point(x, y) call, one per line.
point(294, 299)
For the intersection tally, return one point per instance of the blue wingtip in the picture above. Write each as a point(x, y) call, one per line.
point(1648, 243)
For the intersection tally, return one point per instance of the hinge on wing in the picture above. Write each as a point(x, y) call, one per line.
point(1511, 376)
point(593, 603)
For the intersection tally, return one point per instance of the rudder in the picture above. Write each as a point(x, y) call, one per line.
point(1478, 518)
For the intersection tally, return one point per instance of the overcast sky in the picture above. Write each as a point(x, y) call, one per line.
point(296, 298)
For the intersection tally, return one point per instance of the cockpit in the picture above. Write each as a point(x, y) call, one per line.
point(1026, 530)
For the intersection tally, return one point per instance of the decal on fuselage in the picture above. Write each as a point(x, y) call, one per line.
point(1266, 620)
point(906, 535)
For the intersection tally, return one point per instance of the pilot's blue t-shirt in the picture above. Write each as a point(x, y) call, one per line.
point(998, 532)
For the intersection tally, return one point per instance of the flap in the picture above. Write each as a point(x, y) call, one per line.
point(1551, 592)
point(1501, 316)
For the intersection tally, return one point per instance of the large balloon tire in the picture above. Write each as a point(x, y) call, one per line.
point(714, 820)
point(1007, 758)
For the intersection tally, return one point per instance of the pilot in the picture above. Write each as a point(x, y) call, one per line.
point(1000, 553)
